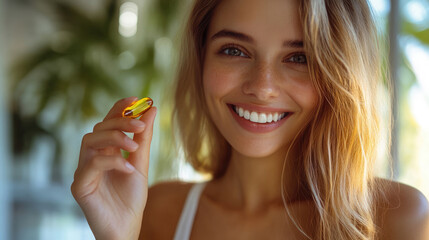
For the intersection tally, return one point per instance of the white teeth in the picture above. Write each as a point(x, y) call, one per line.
point(259, 117)
point(246, 115)
point(254, 117)
point(270, 118)
point(262, 118)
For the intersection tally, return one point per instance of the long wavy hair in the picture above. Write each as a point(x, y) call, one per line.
point(339, 145)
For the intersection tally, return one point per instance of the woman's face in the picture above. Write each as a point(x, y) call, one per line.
point(255, 75)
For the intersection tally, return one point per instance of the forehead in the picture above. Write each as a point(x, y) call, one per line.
point(261, 19)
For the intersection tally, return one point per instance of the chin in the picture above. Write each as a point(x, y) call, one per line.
point(255, 150)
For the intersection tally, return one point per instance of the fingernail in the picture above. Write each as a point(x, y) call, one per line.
point(129, 166)
point(137, 123)
point(131, 143)
point(127, 99)
point(130, 97)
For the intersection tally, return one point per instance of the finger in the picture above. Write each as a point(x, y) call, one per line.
point(116, 110)
point(140, 158)
point(86, 177)
point(110, 138)
point(121, 124)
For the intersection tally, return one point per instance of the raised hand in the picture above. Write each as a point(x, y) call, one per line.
point(112, 190)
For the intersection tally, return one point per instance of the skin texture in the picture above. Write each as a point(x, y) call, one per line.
point(246, 202)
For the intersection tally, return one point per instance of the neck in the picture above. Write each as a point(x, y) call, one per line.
point(252, 184)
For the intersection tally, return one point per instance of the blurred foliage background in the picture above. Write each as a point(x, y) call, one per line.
point(67, 62)
point(89, 62)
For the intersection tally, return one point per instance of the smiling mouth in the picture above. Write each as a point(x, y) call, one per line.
point(259, 117)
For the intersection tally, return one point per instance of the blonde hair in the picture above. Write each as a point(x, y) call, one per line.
point(339, 145)
point(204, 147)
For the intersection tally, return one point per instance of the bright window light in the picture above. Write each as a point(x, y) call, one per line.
point(128, 18)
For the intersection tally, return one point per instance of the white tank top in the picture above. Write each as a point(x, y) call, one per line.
point(184, 227)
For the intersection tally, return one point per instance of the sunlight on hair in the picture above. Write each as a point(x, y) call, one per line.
point(128, 17)
point(382, 163)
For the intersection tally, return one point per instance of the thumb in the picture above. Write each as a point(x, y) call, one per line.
point(140, 158)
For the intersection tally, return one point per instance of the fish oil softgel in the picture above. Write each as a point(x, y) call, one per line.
point(137, 108)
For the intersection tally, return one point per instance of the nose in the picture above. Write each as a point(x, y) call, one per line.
point(261, 82)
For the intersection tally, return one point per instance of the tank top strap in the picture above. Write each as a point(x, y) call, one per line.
point(184, 227)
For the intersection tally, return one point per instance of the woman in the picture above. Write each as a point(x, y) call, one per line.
point(276, 100)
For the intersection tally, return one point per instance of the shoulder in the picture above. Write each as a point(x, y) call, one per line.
point(163, 209)
point(402, 211)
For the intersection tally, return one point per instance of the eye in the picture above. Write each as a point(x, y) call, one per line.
point(232, 51)
point(297, 58)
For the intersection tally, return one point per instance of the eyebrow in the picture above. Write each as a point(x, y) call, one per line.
point(293, 44)
point(246, 38)
point(232, 34)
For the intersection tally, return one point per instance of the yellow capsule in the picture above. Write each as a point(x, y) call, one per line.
point(137, 108)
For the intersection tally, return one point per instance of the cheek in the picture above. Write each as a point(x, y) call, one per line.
point(212, 81)
point(303, 92)
point(310, 97)
point(214, 84)
point(218, 79)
